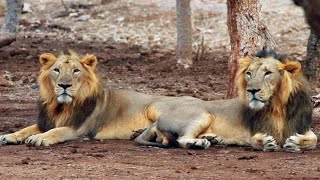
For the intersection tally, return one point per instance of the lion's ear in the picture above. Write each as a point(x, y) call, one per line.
point(245, 62)
point(47, 59)
point(89, 60)
point(292, 67)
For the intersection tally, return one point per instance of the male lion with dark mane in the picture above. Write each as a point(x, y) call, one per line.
point(273, 111)
point(73, 103)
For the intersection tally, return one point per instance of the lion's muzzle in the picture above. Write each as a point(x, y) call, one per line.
point(65, 86)
point(255, 102)
point(253, 91)
point(64, 96)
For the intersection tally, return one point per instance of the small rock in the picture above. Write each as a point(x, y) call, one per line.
point(59, 26)
point(144, 53)
point(159, 55)
point(194, 167)
point(97, 155)
point(73, 150)
point(120, 19)
point(27, 8)
point(190, 152)
point(34, 86)
point(4, 82)
point(74, 14)
point(83, 18)
point(247, 157)
point(136, 56)
point(25, 161)
point(86, 139)
point(29, 57)
point(25, 22)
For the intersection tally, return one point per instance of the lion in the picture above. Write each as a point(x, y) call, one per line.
point(272, 112)
point(73, 104)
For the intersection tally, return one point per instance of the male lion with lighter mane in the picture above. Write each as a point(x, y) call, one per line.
point(273, 111)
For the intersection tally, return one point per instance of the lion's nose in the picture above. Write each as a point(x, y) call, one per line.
point(65, 86)
point(253, 91)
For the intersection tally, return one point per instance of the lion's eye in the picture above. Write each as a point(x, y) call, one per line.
point(248, 73)
point(76, 70)
point(56, 70)
point(268, 73)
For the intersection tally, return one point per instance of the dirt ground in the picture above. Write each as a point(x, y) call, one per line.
point(146, 66)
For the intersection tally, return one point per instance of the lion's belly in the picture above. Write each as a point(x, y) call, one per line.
point(123, 128)
point(232, 132)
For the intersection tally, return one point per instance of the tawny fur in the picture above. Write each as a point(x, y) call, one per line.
point(279, 114)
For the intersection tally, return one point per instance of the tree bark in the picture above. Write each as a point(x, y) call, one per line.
point(9, 28)
point(184, 33)
point(312, 61)
point(248, 34)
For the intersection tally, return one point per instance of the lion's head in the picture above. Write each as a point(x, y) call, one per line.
point(67, 79)
point(268, 79)
point(276, 95)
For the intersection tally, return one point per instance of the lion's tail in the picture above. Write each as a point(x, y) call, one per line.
point(148, 135)
point(148, 143)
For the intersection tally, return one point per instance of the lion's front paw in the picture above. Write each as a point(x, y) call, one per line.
point(292, 144)
point(39, 140)
point(12, 138)
point(270, 144)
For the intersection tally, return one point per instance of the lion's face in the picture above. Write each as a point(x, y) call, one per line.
point(67, 76)
point(262, 79)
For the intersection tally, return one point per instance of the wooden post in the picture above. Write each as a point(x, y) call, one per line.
point(9, 28)
point(184, 33)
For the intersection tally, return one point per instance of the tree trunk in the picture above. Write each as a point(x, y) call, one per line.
point(312, 62)
point(312, 13)
point(184, 33)
point(248, 34)
point(11, 21)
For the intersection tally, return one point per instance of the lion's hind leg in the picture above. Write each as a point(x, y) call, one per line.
point(193, 143)
point(194, 138)
point(300, 142)
point(212, 138)
point(152, 137)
